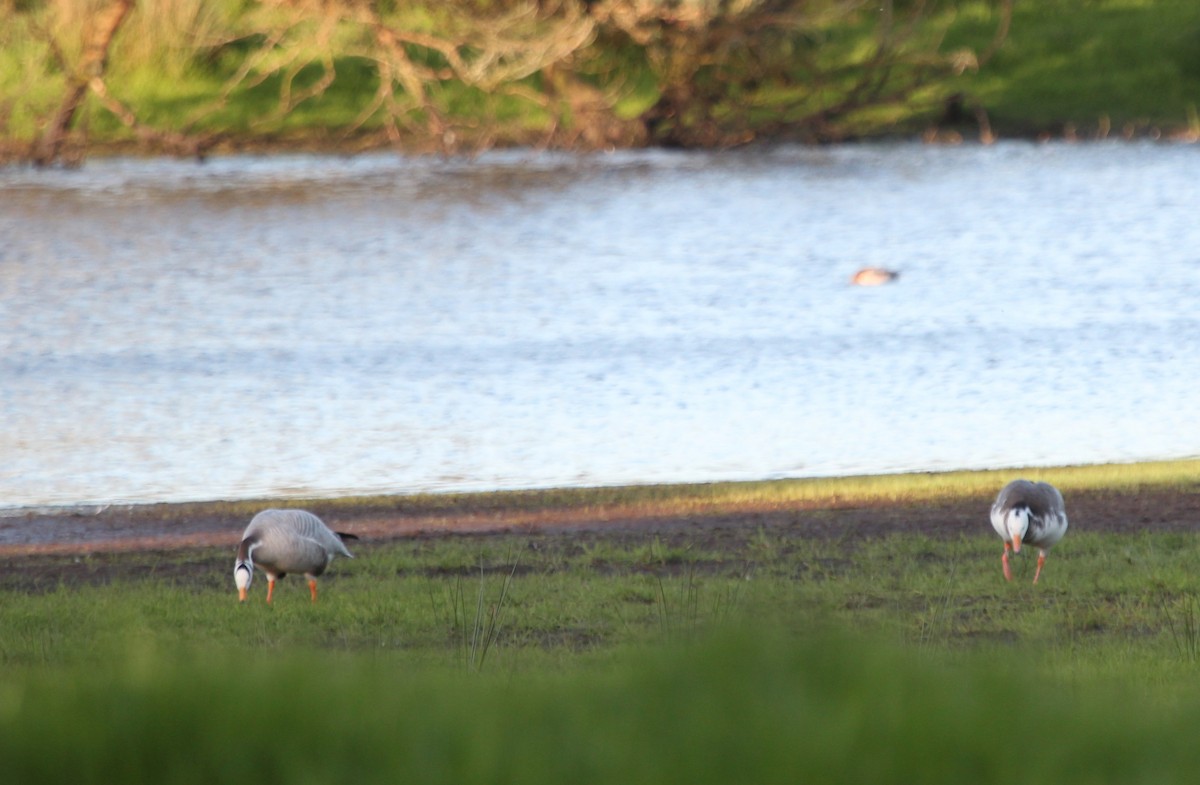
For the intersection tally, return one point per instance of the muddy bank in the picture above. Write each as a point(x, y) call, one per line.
point(173, 527)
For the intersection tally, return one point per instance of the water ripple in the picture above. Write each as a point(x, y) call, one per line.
point(309, 325)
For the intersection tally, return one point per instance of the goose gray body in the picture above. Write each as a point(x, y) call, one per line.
point(1030, 513)
point(283, 541)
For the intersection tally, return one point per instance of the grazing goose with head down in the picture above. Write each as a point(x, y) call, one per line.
point(1031, 513)
point(283, 541)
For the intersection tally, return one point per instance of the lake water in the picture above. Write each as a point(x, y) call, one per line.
point(309, 325)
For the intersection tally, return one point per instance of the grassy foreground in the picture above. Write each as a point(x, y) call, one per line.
point(739, 708)
point(658, 658)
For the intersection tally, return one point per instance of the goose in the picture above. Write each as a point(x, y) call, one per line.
point(1031, 513)
point(873, 276)
point(283, 541)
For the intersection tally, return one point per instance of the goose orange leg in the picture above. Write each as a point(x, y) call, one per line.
point(1041, 562)
point(270, 589)
point(1004, 561)
point(312, 587)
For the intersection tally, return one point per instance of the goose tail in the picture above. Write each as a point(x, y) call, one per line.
point(343, 537)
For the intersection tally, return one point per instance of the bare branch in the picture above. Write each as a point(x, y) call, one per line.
point(92, 62)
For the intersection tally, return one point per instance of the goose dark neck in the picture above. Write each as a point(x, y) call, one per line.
point(246, 547)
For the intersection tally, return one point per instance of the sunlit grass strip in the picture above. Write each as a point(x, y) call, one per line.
point(503, 509)
point(903, 488)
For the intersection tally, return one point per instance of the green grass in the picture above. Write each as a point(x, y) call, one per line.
point(1097, 66)
point(1105, 63)
point(739, 705)
point(624, 658)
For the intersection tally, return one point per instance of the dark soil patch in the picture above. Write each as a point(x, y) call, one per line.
point(193, 544)
point(40, 573)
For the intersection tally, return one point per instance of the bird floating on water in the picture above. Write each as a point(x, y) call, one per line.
point(283, 541)
point(873, 276)
point(1030, 513)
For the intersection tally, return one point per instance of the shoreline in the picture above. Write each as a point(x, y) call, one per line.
point(16, 152)
point(1147, 496)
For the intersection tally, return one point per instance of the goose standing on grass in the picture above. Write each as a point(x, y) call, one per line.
point(1030, 513)
point(283, 541)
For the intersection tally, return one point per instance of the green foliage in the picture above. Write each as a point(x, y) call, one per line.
point(1119, 65)
point(818, 71)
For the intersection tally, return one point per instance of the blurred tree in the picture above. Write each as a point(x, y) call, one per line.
point(728, 70)
point(457, 75)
